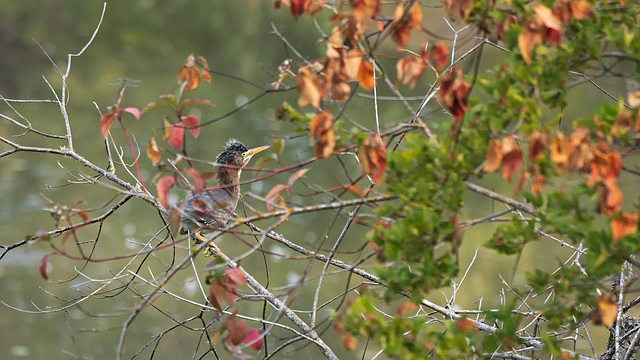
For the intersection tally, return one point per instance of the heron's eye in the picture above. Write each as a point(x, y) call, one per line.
point(244, 154)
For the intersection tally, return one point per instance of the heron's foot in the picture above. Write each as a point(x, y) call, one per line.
point(212, 250)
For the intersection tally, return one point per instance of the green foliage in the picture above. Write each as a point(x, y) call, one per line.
point(430, 191)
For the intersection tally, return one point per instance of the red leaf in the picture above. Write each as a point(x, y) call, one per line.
point(216, 294)
point(163, 186)
point(43, 266)
point(236, 328)
point(105, 123)
point(438, 56)
point(273, 196)
point(133, 111)
point(193, 124)
point(296, 175)
point(236, 275)
point(195, 179)
point(66, 235)
point(177, 134)
point(82, 214)
point(253, 339)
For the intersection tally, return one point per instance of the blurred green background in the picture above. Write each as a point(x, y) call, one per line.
point(149, 40)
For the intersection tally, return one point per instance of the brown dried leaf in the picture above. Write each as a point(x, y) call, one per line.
point(309, 89)
point(538, 144)
point(453, 92)
point(349, 342)
point(622, 124)
point(352, 62)
point(322, 135)
point(409, 70)
point(494, 156)
point(373, 158)
point(512, 159)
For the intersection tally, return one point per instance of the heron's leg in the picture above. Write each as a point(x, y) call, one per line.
point(211, 248)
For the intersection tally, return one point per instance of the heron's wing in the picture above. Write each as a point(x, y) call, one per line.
point(210, 209)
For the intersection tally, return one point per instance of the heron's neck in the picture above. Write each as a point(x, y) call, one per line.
point(230, 179)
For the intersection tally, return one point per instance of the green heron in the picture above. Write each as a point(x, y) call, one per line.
point(211, 209)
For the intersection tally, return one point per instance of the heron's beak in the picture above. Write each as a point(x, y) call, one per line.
point(254, 151)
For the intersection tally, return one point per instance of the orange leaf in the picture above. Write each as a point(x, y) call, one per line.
point(365, 75)
point(465, 325)
point(548, 18)
point(512, 159)
point(606, 311)
point(438, 56)
point(529, 37)
point(363, 11)
point(162, 187)
point(190, 75)
point(355, 190)
point(177, 134)
point(581, 10)
point(610, 197)
point(494, 156)
point(349, 342)
point(193, 124)
point(322, 134)
point(373, 158)
point(623, 225)
point(105, 123)
point(404, 23)
point(153, 153)
point(559, 151)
